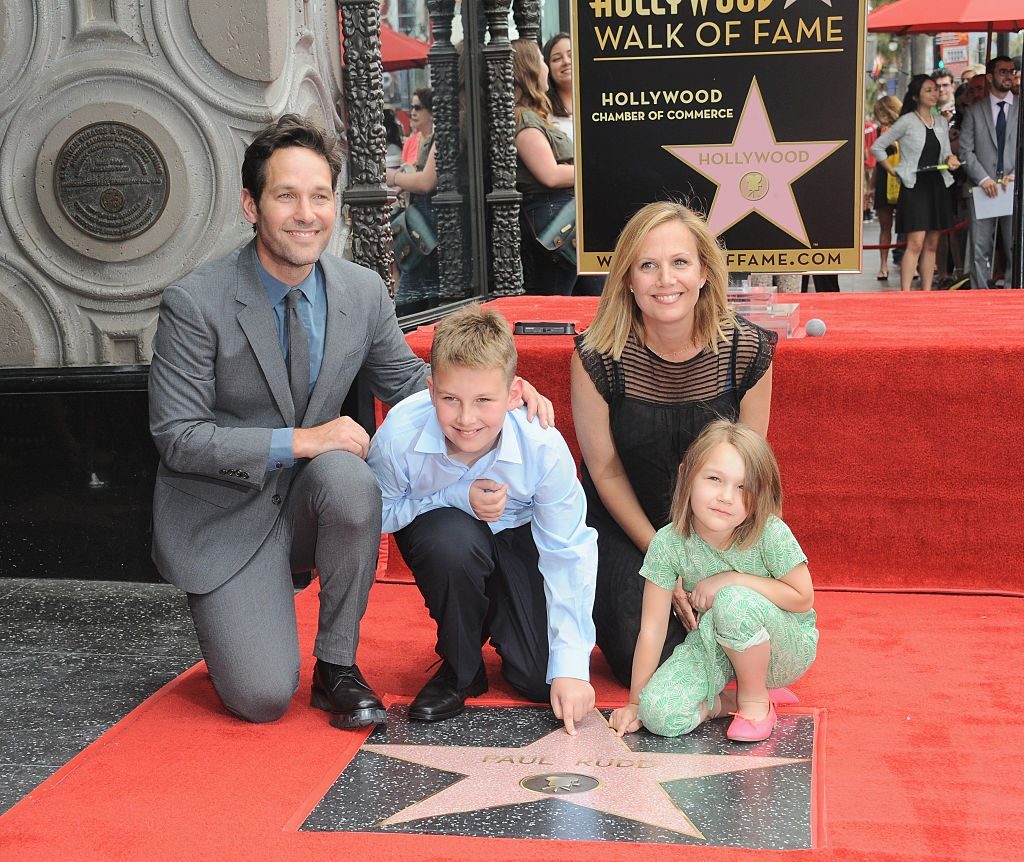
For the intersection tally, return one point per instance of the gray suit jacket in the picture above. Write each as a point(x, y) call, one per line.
point(978, 141)
point(911, 134)
point(218, 385)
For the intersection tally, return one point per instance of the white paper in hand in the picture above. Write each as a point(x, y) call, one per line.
point(1000, 205)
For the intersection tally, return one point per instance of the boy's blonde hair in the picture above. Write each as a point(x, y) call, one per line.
point(618, 315)
point(474, 337)
point(762, 485)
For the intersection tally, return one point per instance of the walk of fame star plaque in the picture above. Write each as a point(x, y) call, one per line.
point(513, 772)
point(750, 112)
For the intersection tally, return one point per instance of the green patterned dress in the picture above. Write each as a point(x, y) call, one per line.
point(740, 618)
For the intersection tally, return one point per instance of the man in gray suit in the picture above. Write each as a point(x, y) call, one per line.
point(988, 147)
point(260, 473)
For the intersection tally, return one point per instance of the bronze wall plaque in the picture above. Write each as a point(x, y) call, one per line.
point(111, 181)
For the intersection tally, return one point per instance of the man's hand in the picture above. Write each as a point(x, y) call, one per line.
point(488, 498)
point(571, 700)
point(990, 187)
point(343, 433)
point(625, 719)
point(536, 405)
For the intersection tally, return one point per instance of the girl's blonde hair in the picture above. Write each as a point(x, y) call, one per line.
point(527, 66)
point(762, 485)
point(618, 316)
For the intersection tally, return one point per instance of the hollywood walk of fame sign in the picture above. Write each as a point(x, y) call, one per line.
point(748, 110)
point(514, 772)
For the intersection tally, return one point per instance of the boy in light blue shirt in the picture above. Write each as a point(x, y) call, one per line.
point(488, 513)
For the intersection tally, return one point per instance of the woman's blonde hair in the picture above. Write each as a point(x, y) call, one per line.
point(527, 66)
point(618, 315)
point(887, 110)
point(762, 485)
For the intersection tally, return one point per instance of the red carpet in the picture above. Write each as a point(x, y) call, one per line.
point(896, 431)
point(897, 435)
point(921, 757)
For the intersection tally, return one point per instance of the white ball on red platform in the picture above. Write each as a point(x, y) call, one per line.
point(815, 326)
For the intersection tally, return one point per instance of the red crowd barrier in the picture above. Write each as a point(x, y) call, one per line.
point(953, 229)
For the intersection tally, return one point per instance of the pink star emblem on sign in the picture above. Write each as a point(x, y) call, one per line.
point(593, 769)
point(755, 172)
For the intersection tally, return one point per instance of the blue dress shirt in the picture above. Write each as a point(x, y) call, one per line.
point(409, 457)
point(312, 309)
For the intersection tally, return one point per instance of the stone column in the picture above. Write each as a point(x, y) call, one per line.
point(448, 201)
point(503, 200)
point(366, 196)
point(526, 14)
point(122, 128)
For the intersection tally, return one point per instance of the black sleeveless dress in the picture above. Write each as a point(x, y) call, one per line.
point(928, 205)
point(656, 409)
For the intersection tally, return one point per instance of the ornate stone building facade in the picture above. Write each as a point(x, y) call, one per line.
point(122, 128)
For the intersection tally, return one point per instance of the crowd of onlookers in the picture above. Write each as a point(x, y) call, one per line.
point(937, 164)
point(545, 176)
point(931, 159)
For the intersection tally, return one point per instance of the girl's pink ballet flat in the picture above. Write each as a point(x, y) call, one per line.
point(743, 729)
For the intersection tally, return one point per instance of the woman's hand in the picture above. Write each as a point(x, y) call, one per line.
point(625, 719)
point(682, 607)
point(953, 163)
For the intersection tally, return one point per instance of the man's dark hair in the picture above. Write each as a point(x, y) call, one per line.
point(426, 97)
point(942, 73)
point(291, 130)
point(990, 66)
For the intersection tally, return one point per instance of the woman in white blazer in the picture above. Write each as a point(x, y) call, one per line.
point(925, 208)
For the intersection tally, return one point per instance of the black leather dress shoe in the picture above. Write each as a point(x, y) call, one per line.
point(440, 699)
point(341, 690)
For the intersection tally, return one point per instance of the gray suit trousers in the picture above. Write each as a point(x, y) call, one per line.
point(247, 627)
point(983, 244)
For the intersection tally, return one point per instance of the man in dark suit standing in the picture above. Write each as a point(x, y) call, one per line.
point(988, 147)
point(260, 474)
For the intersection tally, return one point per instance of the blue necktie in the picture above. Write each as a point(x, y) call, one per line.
point(1000, 139)
point(298, 356)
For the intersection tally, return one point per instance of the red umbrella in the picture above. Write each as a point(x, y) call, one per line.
point(947, 16)
point(398, 51)
point(402, 52)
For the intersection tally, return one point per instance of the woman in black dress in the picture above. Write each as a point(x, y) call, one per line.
point(663, 357)
point(926, 162)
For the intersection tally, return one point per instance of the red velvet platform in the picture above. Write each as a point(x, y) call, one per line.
point(897, 432)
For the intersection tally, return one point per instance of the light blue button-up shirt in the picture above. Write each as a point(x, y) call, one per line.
point(313, 314)
point(409, 457)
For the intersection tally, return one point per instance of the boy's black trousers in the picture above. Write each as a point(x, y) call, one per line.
point(478, 584)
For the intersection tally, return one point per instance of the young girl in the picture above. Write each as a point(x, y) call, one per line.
point(747, 596)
